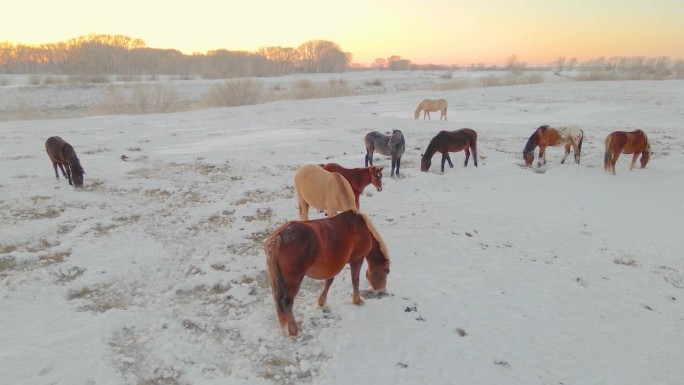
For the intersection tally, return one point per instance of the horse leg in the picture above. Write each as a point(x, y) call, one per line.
point(567, 152)
point(330, 212)
point(291, 290)
point(613, 161)
point(68, 174)
point(542, 156)
point(394, 164)
point(426, 113)
point(61, 167)
point(303, 209)
point(474, 150)
point(369, 157)
point(355, 268)
point(54, 164)
point(398, 162)
point(324, 294)
point(634, 159)
point(467, 153)
point(444, 158)
point(448, 158)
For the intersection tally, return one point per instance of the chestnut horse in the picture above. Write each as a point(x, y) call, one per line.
point(621, 142)
point(320, 249)
point(451, 141)
point(358, 178)
point(323, 190)
point(393, 145)
point(62, 154)
point(545, 136)
point(429, 105)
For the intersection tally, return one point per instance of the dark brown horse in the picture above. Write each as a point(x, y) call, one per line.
point(445, 142)
point(62, 154)
point(358, 178)
point(320, 249)
point(545, 136)
point(621, 142)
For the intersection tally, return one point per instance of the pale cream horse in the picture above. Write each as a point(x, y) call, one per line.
point(429, 105)
point(323, 190)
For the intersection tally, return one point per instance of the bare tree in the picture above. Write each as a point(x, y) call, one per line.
point(322, 56)
point(379, 63)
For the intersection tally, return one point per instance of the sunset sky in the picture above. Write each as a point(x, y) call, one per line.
point(458, 32)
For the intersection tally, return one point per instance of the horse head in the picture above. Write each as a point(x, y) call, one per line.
point(425, 162)
point(376, 176)
point(528, 156)
point(646, 155)
point(528, 151)
point(378, 266)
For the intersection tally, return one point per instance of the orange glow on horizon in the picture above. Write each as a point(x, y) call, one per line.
point(441, 32)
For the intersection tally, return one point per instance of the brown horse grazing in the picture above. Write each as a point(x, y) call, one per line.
point(323, 190)
point(320, 249)
point(358, 178)
point(545, 136)
point(451, 141)
point(62, 154)
point(621, 142)
point(429, 105)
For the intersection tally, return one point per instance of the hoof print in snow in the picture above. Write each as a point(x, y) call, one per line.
point(409, 309)
point(420, 318)
point(460, 332)
point(402, 365)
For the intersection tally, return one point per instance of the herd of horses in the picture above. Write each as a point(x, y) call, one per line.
point(321, 248)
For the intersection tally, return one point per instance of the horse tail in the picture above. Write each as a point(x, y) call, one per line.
point(607, 154)
point(581, 139)
point(272, 247)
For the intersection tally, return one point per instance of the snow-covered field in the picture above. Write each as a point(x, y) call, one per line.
point(154, 273)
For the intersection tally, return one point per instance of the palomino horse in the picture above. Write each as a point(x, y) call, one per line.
point(451, 141)
point(62, 154)
point(320, 249)
point(358, 178)
point(323, 190)
point(548, 136)
point(621, 142)
point(392, 145)
point(429, 105)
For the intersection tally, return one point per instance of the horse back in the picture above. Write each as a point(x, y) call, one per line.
point(452, 141)
point(376, 141)
point(56, 148)
point(324, 246)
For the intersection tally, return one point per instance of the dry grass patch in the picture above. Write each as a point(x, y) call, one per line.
point(233, 93)
point(6, 249)
point(139, 98)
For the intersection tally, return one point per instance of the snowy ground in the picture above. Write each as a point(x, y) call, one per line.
point(154, 274)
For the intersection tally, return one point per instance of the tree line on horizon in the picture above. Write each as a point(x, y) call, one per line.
point(98, 54)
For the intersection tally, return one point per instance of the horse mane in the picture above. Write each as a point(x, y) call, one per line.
point(376, 235)
point(532, 141)
point(74, 162)
point(430, 149)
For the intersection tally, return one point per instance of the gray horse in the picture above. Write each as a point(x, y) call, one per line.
point(392, 145)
